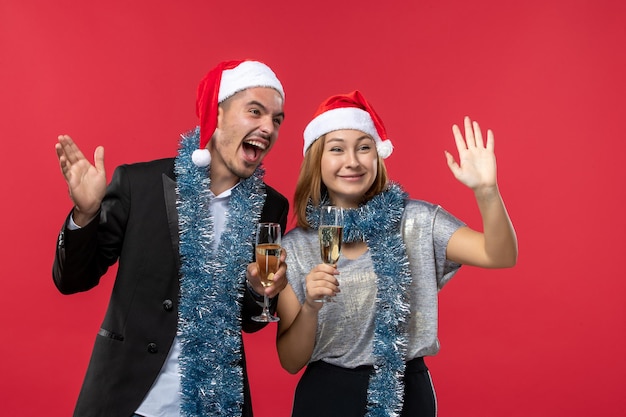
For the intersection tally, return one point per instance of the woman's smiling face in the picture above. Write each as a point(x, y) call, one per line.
point(349, 166)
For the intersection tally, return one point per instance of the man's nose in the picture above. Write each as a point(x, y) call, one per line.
point(267, 125)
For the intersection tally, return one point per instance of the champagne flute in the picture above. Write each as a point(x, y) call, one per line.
point(330, 236)
point(267, 252)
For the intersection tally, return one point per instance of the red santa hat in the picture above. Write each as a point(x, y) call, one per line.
point(220, 83)
point(348, 111)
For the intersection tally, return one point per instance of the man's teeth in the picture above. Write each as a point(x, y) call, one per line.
point(256, 144)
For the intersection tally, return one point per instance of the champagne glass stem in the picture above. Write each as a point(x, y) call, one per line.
point(266, 305)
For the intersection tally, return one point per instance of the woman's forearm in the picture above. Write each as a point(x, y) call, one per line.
point(500, 239)
point(295, 343)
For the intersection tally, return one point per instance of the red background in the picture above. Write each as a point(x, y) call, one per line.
point(546, 338)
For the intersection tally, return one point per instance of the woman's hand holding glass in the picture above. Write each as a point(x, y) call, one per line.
point(321, 285)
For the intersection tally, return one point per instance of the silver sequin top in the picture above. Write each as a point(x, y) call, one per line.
point(345, 329)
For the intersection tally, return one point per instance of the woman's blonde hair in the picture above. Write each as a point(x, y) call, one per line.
point(310, 185)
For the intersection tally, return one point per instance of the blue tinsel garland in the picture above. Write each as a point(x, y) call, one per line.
point(211, 287)
point(378, 223)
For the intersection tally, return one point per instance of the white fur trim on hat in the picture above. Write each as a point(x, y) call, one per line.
point(248, 74)
point(345, 118)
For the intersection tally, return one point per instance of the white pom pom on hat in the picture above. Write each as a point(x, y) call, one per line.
point(201, 157)
point(220, 83)
point(348, 111)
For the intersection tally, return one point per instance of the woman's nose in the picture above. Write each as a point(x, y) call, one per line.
point(352, 159)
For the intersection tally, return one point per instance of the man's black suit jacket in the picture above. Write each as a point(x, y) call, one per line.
point(138, 225)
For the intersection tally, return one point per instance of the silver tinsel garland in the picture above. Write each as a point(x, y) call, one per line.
point(211, 286)
point(378, 223)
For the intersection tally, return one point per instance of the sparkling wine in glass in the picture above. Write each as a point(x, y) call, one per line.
point(330, 236)
point(267, 252)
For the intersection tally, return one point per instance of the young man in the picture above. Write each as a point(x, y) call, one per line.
point(182, 230)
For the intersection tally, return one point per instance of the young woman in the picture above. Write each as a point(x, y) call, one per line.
point(364, 352)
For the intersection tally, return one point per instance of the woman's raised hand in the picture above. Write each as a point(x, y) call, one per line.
point(477, 161)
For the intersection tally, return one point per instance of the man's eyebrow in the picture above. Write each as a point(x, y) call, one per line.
point(256, 103)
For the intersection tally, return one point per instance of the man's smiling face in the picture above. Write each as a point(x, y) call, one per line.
point(247, 128)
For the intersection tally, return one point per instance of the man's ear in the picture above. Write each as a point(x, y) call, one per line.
point(218, 126)
point(220, 115)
